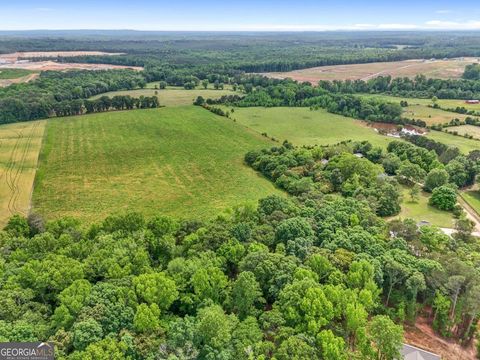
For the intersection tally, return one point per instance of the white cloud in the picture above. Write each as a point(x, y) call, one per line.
point(453, 25)
point(397, 26)
point(443, 11)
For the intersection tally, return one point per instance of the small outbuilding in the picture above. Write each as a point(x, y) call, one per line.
point(410, 352)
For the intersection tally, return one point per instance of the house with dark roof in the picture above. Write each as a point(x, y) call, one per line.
point(410, 352)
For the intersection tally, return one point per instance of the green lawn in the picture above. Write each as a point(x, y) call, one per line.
point(465, 145)
point(420, 210)
point(181, 161)
point(13, 73)
point(302, 126)
point(172, 96)
point(472, 197)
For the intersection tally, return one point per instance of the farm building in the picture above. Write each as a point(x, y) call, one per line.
point(472, 102)
point(410, 352)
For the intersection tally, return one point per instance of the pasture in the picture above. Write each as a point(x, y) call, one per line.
point(443, 69)
point(465, 145)
point(20, 145)
point(173, 96)
point(467, 130)
point(302, 126)
point(182, 161)
point(420, 109)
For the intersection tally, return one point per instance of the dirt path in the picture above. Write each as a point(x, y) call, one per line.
point(423, 336)
point(471, 213)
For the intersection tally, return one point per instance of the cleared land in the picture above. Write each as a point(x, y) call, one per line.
point(172, 96)
point(14, 61)
point(182, 161)
point(302, 126)
point(19, 148)
point(14, 76)
point(465, 145)
point(421, 211)
point(443, 69)
point(468, 130)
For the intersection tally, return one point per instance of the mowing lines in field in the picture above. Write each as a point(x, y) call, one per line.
point(19, 148)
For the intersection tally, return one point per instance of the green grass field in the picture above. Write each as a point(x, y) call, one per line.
point(465, 145)
point(172, 96)
point(13, 73)
point(467, 129)
point(182, 161)
point(472, 197)
point(304, 127)
point(420, 210)
point(420, 109)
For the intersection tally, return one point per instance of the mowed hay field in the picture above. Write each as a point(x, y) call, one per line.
point(182, 161)
point(443, 69)
point(301, 126)
point(467, 130)
point(20, 145)
point(172, 96)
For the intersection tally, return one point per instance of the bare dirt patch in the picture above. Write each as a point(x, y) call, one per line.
point(443, 69)
point(422, 335)
point(14, 61)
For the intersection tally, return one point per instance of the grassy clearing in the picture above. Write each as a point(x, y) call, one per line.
point(304, 127)
point(20, 145)
point(172, 96)
point(181, 161)
point(467, 129)
point(420, 109)
point(13, 73)
point(420, 210)
point(472, 197)
point(465, 145)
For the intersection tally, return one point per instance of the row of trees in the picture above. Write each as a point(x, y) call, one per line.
point(419, 87)
point(59, 93)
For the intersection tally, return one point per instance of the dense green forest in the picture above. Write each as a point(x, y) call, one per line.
point(317, 277)
point(250, 52)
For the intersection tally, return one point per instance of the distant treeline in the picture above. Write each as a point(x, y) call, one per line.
point(255, 52)
point(63, 93)
point(419, 87)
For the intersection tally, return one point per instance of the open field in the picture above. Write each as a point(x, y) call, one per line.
point(14, 76)
point(467, 129)
point(19, 148)
point(443, 69)
point(443, 103)
point(472, 197)
point(302, 126)
point(430, 115)
point(422, 211)
point(172, 96)
point(182, 161)
point(465, 145)
point(13, 61)
point(420, 109)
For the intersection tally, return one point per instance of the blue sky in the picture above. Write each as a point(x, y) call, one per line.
point(299, 15)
